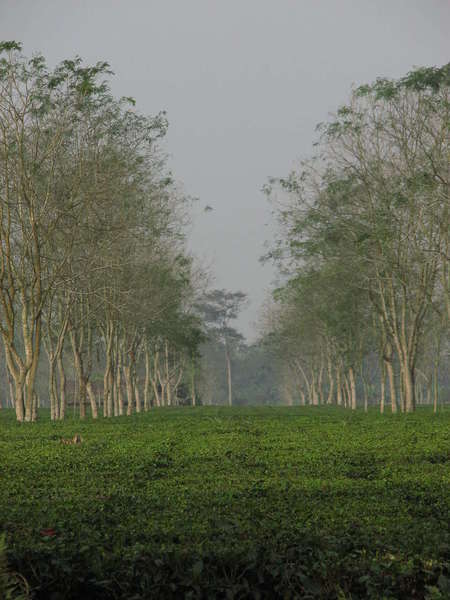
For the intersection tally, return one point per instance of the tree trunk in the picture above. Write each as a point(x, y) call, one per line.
point(137, 394)
point(78, 363)
point(92, 399)
point(147, 381)
point(320, 381)
point(338, 387)
point(383, 387)
point(168, 387)
point(62, 388)
point(387, 360)
point(129, 388)
point(435, 390)
point(330, 383)
point(35, 406)
point(228, 361)
point(119, 383)
point(32, 351)
point(351, 376)
point(365, 389)
point(107, 381)
point(314, 396)
point(11, 389)
point(155, 379)
point(17, 371)
point(20, 409)
point(54, 406)
point(408, 387)
point(347, 395)
point(193, 391)
point(82, 397)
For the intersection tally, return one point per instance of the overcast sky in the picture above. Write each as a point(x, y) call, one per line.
point(244, 82)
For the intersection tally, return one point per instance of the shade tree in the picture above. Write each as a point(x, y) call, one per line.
point(92, 233)
point(370, 213)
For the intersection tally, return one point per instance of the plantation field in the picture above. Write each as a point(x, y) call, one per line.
point(230, 503)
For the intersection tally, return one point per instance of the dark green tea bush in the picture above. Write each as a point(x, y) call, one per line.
point(230, 503)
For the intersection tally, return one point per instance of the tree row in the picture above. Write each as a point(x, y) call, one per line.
point(92, 243)
point(363, 251)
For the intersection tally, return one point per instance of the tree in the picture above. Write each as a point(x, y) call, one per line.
point(92, 237)
point(41, 113)
point(366, 224)
point(218, 308)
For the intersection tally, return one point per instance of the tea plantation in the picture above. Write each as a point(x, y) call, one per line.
point(230, 503)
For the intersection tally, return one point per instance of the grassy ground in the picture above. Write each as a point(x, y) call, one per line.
point(230, 503)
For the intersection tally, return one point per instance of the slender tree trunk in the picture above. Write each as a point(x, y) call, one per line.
point(387, 360)
point(129, 388)
point(177, 379)
point(17, 371)
point(30, 378)
point(159, 396)
point(92, 399)
point(11, 389)
point(409, 387)
point(347, 395)
point(168, 387)
point(115, 384)
point(308, 386)
point(78, 363)
point(338, 387)
point(228, 361)
point(383, 387)
point(435, 389)
point(82, 397)
point(320, 381)
point(402, 392)
point(193, 391)
point(147, 381)
point(55, 395)
point(35, 406)
point(136, 393)
point(20, 409)
point(365, 389)
point(107, 387)
point(54, 406)
point(17, 368)
point(115, 397)
point(330, 382)
point(119, 383)
point(82, 380)
point(62, 388)
point(351, 375)
point(314, 396)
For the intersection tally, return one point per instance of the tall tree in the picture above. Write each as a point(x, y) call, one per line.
point(218, 308)
point(373, 209)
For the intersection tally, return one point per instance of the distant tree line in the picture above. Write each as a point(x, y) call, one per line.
point(93, 265)
point(363, 305)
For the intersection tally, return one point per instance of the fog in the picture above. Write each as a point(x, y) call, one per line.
point(243, 83)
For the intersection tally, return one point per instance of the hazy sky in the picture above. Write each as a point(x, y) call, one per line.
point(244, 83)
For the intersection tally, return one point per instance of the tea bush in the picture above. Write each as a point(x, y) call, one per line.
point(230, 503)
